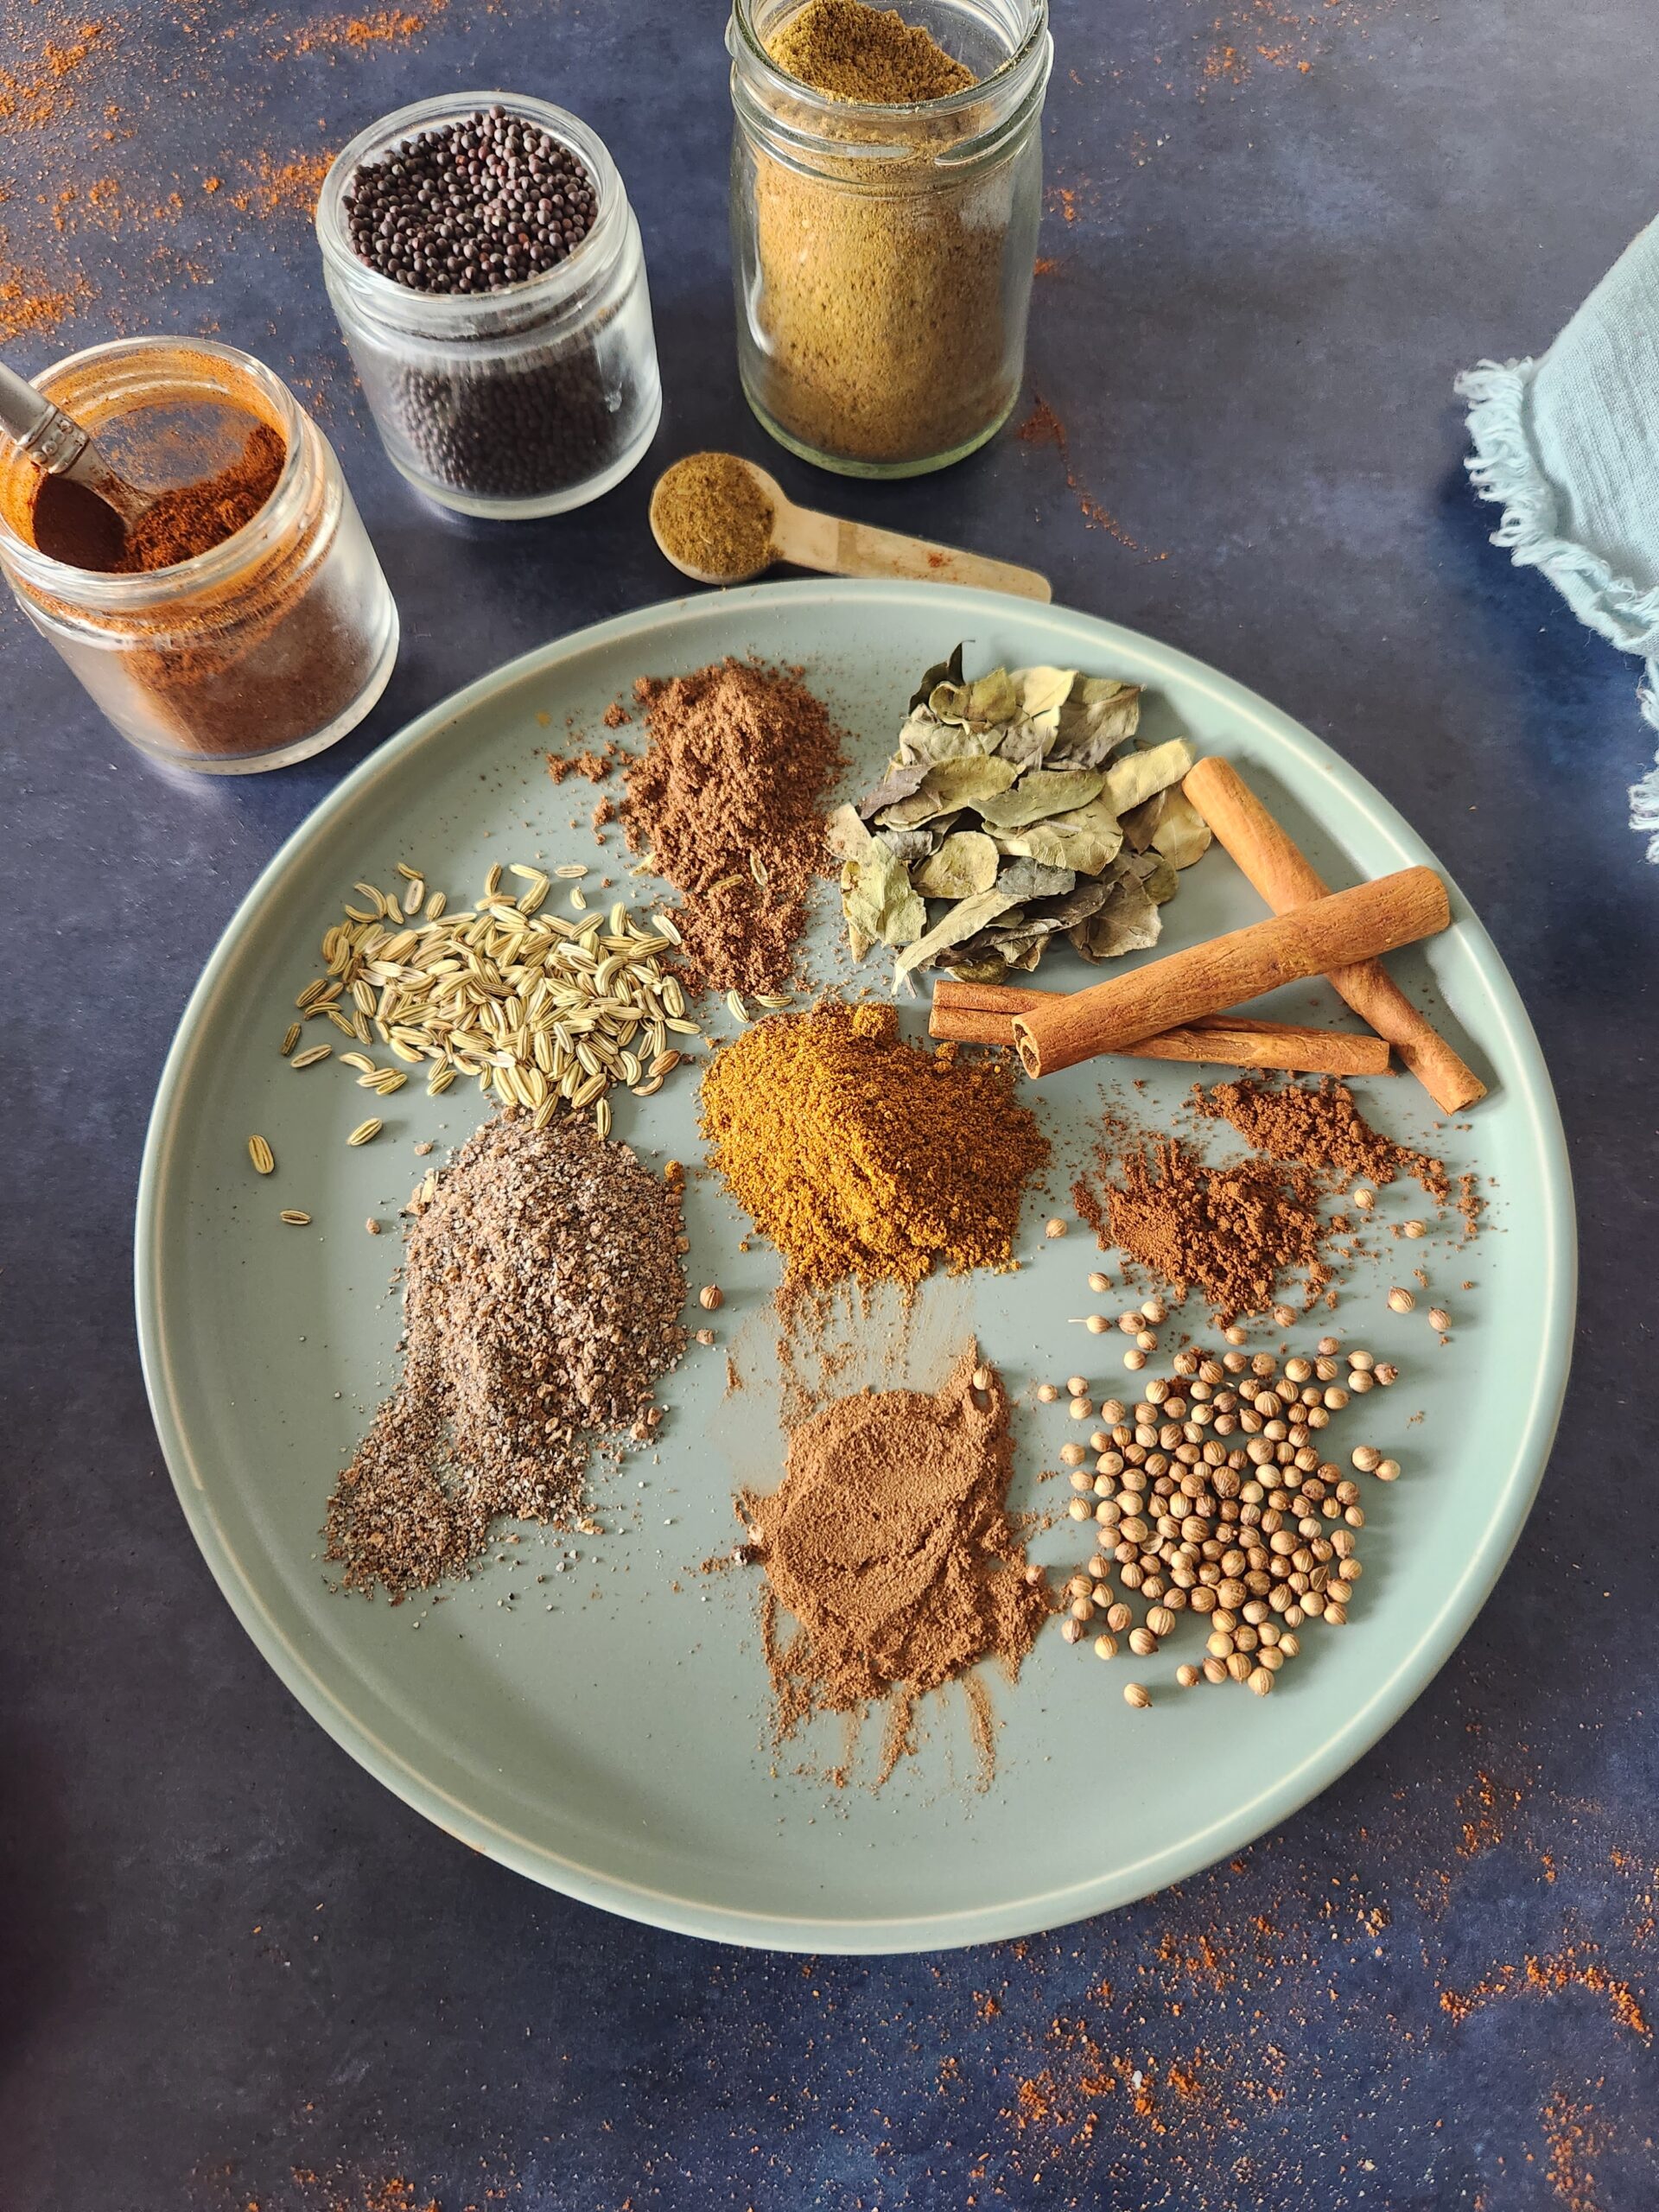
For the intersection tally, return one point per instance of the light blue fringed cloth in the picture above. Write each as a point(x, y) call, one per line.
point(1569, 444)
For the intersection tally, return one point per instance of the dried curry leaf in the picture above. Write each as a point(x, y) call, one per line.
point(1041, 793)
point(880, 902)
point(1182, 835)
point(901, 778)
point(946, 672)
point(958, 923)
point(1138, 775)
point(1128, 921)
point(965, 863)
point(845, 834)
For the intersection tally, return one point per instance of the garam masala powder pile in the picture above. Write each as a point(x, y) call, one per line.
point(727, 799)
point(860, 1155)
point(889, 1543)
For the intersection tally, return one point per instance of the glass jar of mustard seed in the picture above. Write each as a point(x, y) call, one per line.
point(250, 625)
point(885, 196)
point(486, 270)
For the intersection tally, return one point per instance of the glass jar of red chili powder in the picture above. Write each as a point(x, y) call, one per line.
point(264, 646)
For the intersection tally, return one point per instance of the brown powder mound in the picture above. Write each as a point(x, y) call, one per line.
point(1320, 1125)
point(542, 1301)
point(726, 800)
point(1229, 1232)
point(854, 51)
point(889, 1542)
point(860, 1155)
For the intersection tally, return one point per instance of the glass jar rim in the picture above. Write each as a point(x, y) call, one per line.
point(109, 592)
point(1010, 74)
point(439, 314)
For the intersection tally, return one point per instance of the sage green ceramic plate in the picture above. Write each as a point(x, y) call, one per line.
point(604, 1729)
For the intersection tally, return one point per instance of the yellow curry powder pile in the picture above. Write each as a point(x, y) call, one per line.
point(888, 1543)
point(860, 1155)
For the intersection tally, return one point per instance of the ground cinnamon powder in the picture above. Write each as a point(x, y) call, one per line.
point(1229, 1232)
point(1320, 1125)
point(727, 799)
point(889, 1543)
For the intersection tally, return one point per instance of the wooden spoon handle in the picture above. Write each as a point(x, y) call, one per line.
point(855, 548)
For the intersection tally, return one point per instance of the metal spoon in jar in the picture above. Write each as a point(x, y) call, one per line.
point(799, 535)
point(83, 507)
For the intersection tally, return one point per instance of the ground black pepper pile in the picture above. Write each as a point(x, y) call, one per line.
point(477, 206)
point(543, 1297)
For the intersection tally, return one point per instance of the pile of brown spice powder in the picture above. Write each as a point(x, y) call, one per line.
point(1320, 1125)
point(542, 1301)
point(1229, 1232)
point(888, 1541)
point(727, 801)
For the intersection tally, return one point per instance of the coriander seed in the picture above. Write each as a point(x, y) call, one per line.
point(1138, 1695)
point(1098, 1282)
point(1414, 1229)
point(1401, 1301)
point(711, 1297)
point(1105, 1647)
point(1387, 1471)
point(1188, 1676)
point(1366, 1458)
point(1054, 1228)
point(1046, 1394)
point(1439, 1319)
point(1096, 1324)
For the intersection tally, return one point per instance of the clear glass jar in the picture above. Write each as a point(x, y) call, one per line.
point(883, 256)
point(520, 402)
point(261, 650)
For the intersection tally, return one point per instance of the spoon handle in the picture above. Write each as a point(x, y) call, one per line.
point(48, 437)
point(856, 548)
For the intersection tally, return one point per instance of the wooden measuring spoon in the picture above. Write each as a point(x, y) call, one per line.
point(835, 548)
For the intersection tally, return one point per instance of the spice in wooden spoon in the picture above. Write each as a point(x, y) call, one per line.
point(722, 520)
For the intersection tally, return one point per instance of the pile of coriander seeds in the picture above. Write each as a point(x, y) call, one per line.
point(1213, 1495)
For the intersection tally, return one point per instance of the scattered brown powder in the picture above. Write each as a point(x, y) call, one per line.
point(541, 1300)
point(860, 1155)
point(889, 1544)
point(727, 800)
point(594, 762)
point(1230, 1231)
point(1320, 1125)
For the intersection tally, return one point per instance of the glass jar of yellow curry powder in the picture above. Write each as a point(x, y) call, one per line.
point(887, 187)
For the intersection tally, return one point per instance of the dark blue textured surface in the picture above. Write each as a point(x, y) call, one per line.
point(235, 1971)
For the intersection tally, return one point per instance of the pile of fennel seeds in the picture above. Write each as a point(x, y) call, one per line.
point(545, 1011)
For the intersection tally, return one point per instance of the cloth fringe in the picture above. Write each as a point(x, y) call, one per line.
point(1505, 469)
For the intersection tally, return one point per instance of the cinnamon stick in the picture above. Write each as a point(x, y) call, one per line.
point(1311, 940)
point(982, 1014)
point(1277, 869)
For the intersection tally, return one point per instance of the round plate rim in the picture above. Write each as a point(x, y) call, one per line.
point(1027, 1915)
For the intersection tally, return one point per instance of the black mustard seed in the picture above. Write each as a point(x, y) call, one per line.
point(475, 206)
